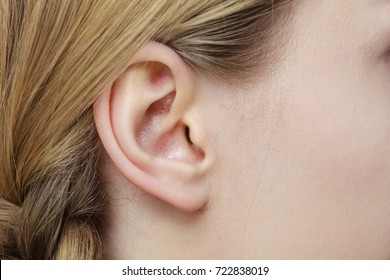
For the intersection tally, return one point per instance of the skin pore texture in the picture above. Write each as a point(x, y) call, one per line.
point(293, 165)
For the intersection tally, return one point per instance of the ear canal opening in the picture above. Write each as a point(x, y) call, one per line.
point(187, 133)
point(198, 151)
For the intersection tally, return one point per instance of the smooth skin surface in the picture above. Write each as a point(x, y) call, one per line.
point(293, 166)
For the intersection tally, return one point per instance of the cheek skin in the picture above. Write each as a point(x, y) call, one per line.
point(304, 166)
point(314, 184)
point(336, 200)
point(336, 135)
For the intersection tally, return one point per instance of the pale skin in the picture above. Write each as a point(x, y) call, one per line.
point(294, 165)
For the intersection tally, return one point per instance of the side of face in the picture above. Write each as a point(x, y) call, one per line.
point(292, 166)
point(304, 154)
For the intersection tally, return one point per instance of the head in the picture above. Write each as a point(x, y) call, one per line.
point(221, 129)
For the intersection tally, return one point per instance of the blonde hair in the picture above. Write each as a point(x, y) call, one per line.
point(55, 57)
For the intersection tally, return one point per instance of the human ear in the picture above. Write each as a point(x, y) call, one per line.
point(149, 127)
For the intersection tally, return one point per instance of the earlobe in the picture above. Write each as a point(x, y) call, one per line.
point(149, 128)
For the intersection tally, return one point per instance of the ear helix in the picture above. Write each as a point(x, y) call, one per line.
point(151, 131)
